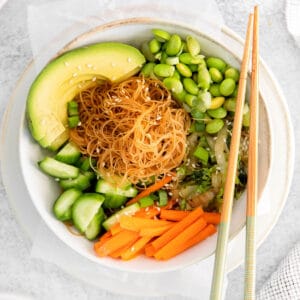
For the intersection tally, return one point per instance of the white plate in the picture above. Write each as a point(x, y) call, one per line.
point(15, 133)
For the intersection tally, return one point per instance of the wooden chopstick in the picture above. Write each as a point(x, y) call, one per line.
point(223, 232)
point(250, 262)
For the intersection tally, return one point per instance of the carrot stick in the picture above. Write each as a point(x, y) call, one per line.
point(177, 228)
point(105, 237)
point(170, 204)
point(173, 215)
point(115, 229)
point(116, 242)
point(149, 250)
point(202, 235)
point(155, 231)
point(137, 247)
point(170, 248)
point(118, 252)
point(151, 189)
point(136, 224)
point(148, 212)
point(212, 218)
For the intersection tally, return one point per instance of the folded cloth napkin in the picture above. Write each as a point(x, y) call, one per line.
point(284, 283)
point(292, 15)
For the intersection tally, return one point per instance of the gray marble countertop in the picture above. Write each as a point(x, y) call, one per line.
point(23, 275)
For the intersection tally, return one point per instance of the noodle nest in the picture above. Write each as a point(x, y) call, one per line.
point(134, 129)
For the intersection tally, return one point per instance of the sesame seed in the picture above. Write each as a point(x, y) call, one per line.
point(94, 79)
point(194, 166)
point(170, 194)
point(66, 63)
point(89, 65)
point(79, 124)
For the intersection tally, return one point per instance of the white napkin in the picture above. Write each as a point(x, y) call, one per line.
point(46, 246)
point(284, 283)
point(292, 15)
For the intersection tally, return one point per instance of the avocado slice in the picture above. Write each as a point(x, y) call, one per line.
point(63, 78)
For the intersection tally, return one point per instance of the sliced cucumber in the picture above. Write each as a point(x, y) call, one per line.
point(105, 187)
point(113, 219)
point(84, 209)
point(114, 201)
point(81, 182)
point(69, 154)
point(58, 169)
point(62, 205)
point(94, 227)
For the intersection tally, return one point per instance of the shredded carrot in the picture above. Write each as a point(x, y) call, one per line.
point(137, 247)
point(177, 228)
point(116, 242)
point(155, 231)
point(105, 237)
point(170, 248)
point(136, 224)
point(173, 215)
point(212, 218)
point(170, 204)
point(148, 212)
point(151, 189)
point(202, 235)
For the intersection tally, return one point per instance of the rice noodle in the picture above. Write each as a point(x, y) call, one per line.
point(133, 129)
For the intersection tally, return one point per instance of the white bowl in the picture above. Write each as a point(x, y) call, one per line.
point(44, 190)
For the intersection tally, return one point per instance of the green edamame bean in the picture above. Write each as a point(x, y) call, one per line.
point(227, 87)
point(184, 70)
point(154, 46)
point(180, 96)
point(157, 56)
point(246, 119)
point(203, 78)
point(190, 86)
point(173, 84)
point(164, 70)
point(190, 100)
point(193, 68)
point(216, 102)
point(214, 126)
point(197, 114)
point(147, 69)
point(173, 45)
point(193, 45)
point(161, 35)
point(235, 92)
point(184, 47)
point(232, 73)
point(186, 58)
point(163, 57)
point(147, 53)
point(230, 104)
point(216, 75)
point(215, 90)
point(172, 60)
point(215, 62)
point(218, 113)
point(176, 75)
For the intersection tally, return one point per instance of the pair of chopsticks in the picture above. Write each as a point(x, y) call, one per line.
point(222, 243)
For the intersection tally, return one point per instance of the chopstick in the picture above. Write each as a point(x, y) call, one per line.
point(223, 232)
point(250, 262)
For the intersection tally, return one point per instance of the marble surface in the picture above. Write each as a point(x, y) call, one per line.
point(20, 274)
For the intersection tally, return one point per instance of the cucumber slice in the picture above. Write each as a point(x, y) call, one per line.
point(113, 219)
point(84, 209)
point(81, 182)
point(62, 205)
point(94, 227)
point(114, 201)
point(58, 169)
point(69, 154)
point(105, 187)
